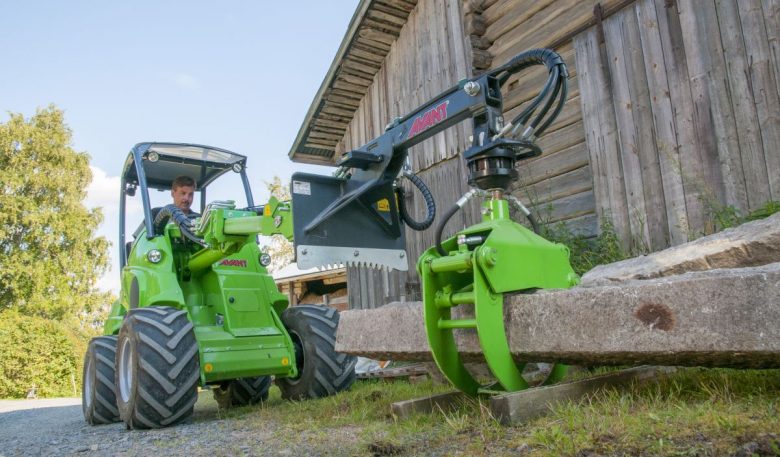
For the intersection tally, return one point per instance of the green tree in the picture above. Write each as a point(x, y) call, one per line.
point(50, 258)
point(281, 250)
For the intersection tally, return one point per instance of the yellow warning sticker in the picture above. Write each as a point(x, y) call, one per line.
point(383, 205)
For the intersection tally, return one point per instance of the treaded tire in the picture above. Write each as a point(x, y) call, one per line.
point(321, 370)
point(157, 367)
point(98, 394)
point(242, 391)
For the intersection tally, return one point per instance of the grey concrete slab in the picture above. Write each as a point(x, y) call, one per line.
point(751, 244)
point(728, 317)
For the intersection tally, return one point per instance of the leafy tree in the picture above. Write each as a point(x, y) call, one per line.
point(41, 353)
point(49, 257)
point(281, 250)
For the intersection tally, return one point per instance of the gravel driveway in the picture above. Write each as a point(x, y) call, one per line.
point(57, 427)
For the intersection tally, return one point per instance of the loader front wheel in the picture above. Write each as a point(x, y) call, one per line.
point(98, 394)
point(321, 370)
point(157, 368)
point(242, 391)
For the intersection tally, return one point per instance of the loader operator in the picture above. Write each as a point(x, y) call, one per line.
point(183, 193)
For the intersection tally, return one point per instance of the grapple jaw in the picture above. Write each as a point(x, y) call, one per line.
point(346, 221)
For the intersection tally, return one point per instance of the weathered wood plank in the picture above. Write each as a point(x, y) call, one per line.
point(700, 175)
point(563, 185)
point(601, 134)
point(763, 86)
point(638, 155)
point(564, 137)
point(748, 134)
point(569, 207)
point(662, 122)
point(550, 165)
point(771, 9)
point(519, 407)
point(505, 16)
point(713, 115)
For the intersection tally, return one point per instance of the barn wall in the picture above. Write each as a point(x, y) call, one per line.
point(680, 101)
point(429, 56)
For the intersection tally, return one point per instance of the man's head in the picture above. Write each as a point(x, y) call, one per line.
point(183, 192)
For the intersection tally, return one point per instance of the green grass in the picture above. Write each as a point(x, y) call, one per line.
point(691, 412)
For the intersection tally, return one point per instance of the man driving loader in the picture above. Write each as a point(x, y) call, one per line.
point(183, 193)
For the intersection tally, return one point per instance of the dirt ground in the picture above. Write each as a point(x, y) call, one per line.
point(57, 427)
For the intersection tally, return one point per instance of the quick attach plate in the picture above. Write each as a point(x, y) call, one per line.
point(346, 221)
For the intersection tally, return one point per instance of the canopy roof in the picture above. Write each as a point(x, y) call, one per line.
point(164, 162)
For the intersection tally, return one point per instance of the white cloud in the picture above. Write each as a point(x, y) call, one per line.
point(183, 81)
point(103, 192)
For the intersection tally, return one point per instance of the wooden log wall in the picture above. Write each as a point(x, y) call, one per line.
point(682, 115)
point(558, 184)
point(429, 56)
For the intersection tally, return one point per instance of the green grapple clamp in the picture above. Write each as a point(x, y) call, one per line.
point(482, 263)
point(478, 265)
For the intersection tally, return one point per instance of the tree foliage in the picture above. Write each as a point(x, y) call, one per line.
point(39, 352)
point(281, 250)
point(49, 257)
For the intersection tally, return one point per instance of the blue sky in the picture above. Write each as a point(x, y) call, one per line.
point(234, 74)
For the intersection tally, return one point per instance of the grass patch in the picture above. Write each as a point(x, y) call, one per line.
point(690, 412)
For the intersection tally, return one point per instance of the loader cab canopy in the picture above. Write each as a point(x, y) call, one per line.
point(156, 165)
point(163, 162)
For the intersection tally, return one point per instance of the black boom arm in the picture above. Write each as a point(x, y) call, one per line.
point(367, 175)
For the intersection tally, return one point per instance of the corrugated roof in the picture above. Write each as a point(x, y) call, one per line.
point(373, 29)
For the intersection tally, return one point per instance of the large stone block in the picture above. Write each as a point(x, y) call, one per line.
point(728, 317)
point(752, 244)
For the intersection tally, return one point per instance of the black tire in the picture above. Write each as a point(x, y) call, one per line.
point(242, 391)
point(157, 367)
point(98, 394)
point(321, 370)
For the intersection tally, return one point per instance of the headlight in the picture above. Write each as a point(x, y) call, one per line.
point(154, 256)
point(265, 259)
point(152, 156)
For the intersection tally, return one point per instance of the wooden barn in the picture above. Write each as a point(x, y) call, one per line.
point(673, 110)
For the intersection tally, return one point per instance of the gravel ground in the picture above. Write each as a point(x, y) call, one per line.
point(57, 427)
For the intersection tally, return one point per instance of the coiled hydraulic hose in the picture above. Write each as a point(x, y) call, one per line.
point(556, 88)
point(430, 204)
point(171, 212)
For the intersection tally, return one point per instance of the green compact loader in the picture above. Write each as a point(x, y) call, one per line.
point(197, 306)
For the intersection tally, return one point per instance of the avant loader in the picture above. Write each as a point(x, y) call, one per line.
point(198, 308)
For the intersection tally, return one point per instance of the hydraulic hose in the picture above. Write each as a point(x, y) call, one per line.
point(451, 212)
point(554, 89)
point(171, 212)
point(430, 204)
point(440, 228)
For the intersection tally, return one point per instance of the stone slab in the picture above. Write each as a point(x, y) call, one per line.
point(425, 405)
point(520, 407)
point(751, 244)
point(727, 318)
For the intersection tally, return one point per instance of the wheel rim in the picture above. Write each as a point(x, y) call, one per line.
point(125, 370)
point(88, 383)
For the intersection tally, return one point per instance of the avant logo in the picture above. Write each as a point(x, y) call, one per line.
point(428, 119)
point(233, 263)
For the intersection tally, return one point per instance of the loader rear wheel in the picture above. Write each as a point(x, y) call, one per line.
point(321, 370)
point(98, 394)
point(157, 370)
point(242, 391)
